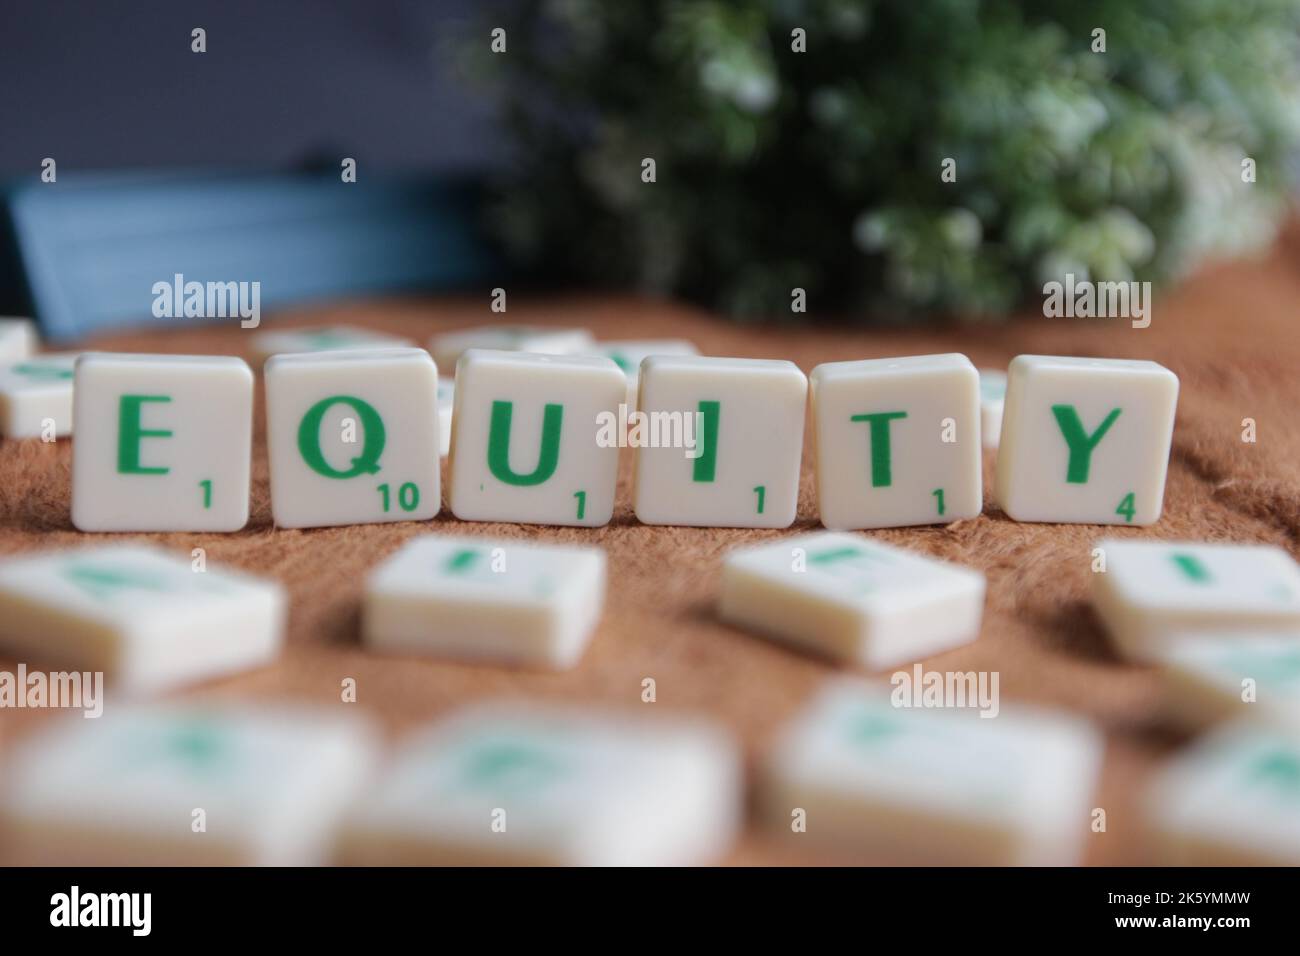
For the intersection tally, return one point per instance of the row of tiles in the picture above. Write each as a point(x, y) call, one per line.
point(164, 442)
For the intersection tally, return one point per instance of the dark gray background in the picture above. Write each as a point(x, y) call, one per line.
point(111, 84)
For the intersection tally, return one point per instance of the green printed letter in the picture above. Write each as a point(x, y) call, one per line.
point(130, 432)
point(1080, 442)
point(499, 445)
point(881, 474)
point(367, 463)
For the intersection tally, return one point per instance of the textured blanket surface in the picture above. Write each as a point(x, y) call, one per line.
point(1231, 333)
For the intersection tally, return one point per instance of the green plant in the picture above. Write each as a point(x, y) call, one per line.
point(821, 169)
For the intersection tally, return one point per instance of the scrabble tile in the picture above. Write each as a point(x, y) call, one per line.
point(1085, 440)
point(931, 785)
point(147, 618)
point(352, 437)
point(897, 441)
point(183, 784)
point(628, 354)
point(18, 339)
point(448, 347)
point(34, 391)
point(851, 599)
point(163, 442)
point(501, 601)
point(526, 439)
point(1152, 591)
point(745, 422)
point(545, 785)
point(323, 339)
point(446, 402)
point(1233, 676)
point(1229, 800)
point(993, 393)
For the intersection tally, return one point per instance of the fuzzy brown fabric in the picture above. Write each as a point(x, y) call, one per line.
point(1230, 333)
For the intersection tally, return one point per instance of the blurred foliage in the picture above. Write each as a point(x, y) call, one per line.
point(821, 170)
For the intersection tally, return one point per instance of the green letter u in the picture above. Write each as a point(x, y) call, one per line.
point(499, 445)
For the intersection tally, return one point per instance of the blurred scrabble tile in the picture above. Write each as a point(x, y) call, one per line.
point(352, 437)
point(851, 599)
point(1085, 440)
point(185, 785)
point(993, 393)
point(36, 395)
point(448, 347)
point(1243, 676)
point(897, 441)
point(18, 339)
point(527, 443)
point(628, 354)
point(729, 442)
point(500, 601)
point(323, 339)
point(932, 785)
point(147, 618)
point(164, 442)
point(538, 785)
point(1229, 800)
point(1154, 592)
point(446, 402)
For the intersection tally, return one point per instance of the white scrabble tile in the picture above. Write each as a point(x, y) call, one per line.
point(501, 601)
point(1229, 800)
point(18, 339)
point(149, 619)
point(544, 785)
point(446, 403)
point(1085, 440)
point(993, 393)
point(852, 599)
point(35, 391)
point(164, 442)
point(322, 339)
point(352, 437)
point(897, 441)
point(1233, 676)
point(1153, 591)
point(526, 441)
point(931, 785)
point(448, 347)
point(186, 785)
point(744, 419)
point(628, 354)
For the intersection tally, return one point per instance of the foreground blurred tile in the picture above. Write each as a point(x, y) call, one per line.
point(937, 786)
point(1250, 676)
point(145, 617)
point(184, 785)
point(1153, 593)
point(521, 784)
point(494, 600)
point(1233, 799)
point(851, 599)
